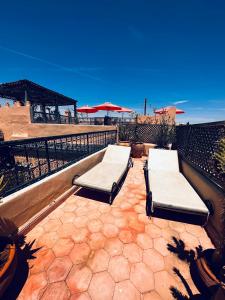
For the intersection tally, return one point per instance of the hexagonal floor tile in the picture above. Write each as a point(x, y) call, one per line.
point(67, 217)
point(110, 230)
point(126, 290)
point(101, 286)
point(57, 290)
point(94, 225)
point(107, 218)
point(94, 215)
point(160, 244)
point(132, 252)
point(80, 253)
point(120, 222)
point(99, 261)
point(96, 241)
point(59, 269)
point(142, 277)
point(144, 241)
point(66, 230)
point(126, 236)
point(80, 221)
point(153, 259)
point(119, 268)
point(63, 247)
point(136, 225)
point(80, 235)
point(153, 231)
point(113, 246)
point(79, 279)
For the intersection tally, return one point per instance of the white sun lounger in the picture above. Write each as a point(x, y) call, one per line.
point(107, 175)
point(169, 194)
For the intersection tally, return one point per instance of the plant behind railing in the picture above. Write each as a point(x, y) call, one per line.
point(166, 131)
point(219, 157)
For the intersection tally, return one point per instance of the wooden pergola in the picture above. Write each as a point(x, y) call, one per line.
point(40, 98)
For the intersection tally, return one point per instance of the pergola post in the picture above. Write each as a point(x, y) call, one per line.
point(44, 113)
point(75, 113)
point(58, 120)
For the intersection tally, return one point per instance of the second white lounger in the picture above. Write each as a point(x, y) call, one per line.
point(107, 175)
point(169, 194)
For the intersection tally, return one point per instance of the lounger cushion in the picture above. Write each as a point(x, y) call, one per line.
point(171, 190)
point(159, 159)
point(117, 154)
point(102, 176)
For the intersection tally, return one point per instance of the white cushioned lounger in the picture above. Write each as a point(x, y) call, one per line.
point(107, 174)
point(169, 193)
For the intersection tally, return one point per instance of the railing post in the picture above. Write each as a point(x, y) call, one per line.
point(105, 139)
point(88, 150)
point(47, 156)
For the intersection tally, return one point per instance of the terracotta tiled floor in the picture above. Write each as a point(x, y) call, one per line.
point(91, 250)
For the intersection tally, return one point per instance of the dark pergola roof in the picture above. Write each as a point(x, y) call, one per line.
point(18, 90)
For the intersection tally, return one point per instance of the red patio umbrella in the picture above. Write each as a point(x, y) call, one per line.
point(108, 107)
point(86, 109)
point(165, 110)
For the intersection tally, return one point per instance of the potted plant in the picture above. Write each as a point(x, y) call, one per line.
point(137, 147)
point(123, 135)
point(166, 132)
point(8, 253)
point(211, 268)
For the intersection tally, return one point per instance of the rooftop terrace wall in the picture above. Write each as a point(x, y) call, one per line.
point(15, 123)
point(32, 199)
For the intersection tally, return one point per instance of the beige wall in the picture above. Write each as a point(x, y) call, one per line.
point(156, 119)
point(23, 205)
point(208, 191)
point(15, 123)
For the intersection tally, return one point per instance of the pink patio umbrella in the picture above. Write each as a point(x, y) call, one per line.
point(124, 110)
point(165, 110)
point(87, 109)
point(107, 106)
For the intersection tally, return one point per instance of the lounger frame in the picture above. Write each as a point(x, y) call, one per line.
point(116, 186)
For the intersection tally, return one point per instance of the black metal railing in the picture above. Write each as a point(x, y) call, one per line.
point(197, 145)
point(23, 162)
point(144, 133)
point(103, 121)
point(52, 118)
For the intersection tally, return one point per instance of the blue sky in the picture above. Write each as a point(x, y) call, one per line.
point(120, 51)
